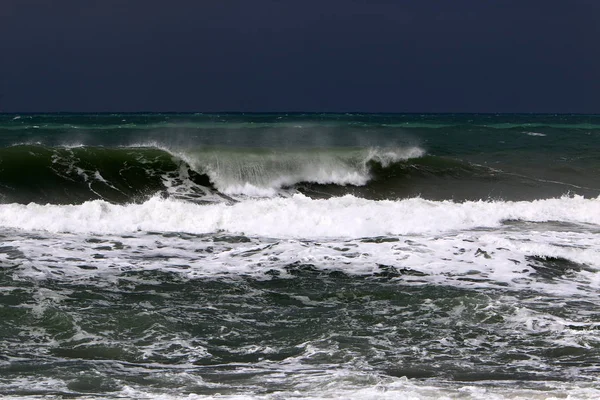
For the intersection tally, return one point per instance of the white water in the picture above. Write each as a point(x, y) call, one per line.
point(341, 384)
point(296, 217)
point(460, 245)
point(535, 134)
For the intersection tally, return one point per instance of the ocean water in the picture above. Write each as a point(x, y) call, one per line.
point(299, 256)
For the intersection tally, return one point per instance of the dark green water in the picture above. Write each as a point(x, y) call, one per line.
point(274, 256)
point(62, 158)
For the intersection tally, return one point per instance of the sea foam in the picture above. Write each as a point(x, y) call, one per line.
point(295, 217)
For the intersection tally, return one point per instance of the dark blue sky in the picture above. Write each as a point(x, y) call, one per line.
point(288, 55)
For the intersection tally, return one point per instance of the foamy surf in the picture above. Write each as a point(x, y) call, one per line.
point(342, 385)
point(472, 244)
point(297, 216)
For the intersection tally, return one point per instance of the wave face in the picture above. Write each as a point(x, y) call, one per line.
point(33, 173)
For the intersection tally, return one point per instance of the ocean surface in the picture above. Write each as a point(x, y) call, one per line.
point(299, 256)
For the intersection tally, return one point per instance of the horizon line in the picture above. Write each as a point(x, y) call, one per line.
point(303, 112)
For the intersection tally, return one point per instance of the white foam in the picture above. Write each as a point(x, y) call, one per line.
point(295, 217)
point(535, 134)
point(28, 143)
point(446, 242)
point(344, 384)
point(439, 259)
point(407, 390)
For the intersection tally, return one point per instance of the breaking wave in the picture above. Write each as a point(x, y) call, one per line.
point(122, 175)
point(70, 175)
point(297, 216)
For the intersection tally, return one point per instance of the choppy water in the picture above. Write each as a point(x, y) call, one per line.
point(299, 256)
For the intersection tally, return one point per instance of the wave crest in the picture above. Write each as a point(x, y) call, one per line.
point(265, 173)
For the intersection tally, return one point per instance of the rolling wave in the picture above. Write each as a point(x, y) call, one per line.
point(61, 175)
point(73, 175)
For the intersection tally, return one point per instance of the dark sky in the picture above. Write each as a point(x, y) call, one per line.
point(300, 55)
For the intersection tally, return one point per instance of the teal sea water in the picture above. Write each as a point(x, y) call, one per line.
point(272, 256)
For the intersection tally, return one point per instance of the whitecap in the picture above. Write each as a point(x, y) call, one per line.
point(535, 134)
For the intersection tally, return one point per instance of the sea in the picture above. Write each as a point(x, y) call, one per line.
point(299, 256)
